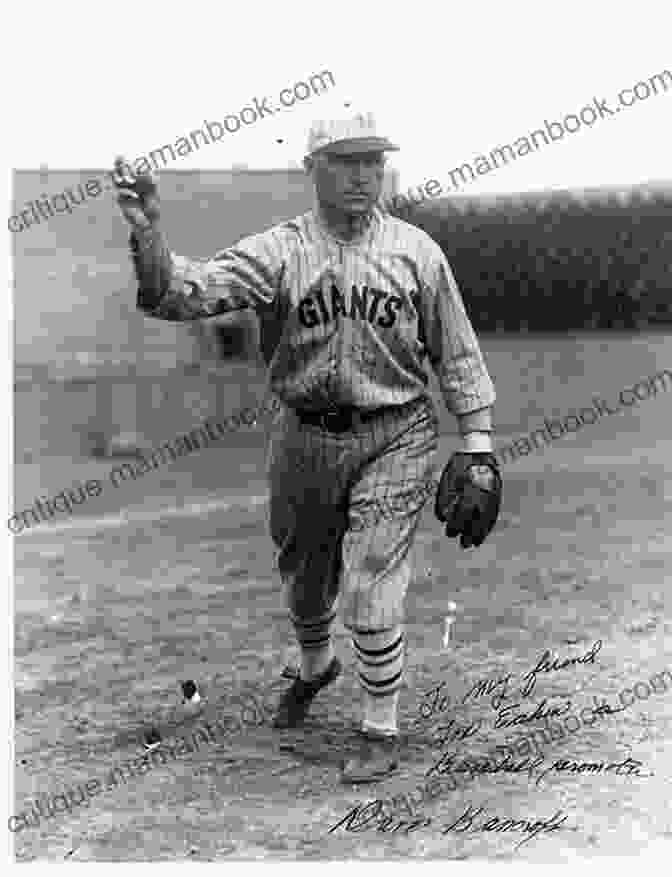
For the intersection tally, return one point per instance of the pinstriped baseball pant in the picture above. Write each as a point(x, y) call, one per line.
point(344, 509)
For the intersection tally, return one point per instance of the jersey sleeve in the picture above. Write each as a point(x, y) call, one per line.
point(451, 343)
point(246, 275)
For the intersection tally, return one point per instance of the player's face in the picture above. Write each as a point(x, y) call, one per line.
point(352, 183)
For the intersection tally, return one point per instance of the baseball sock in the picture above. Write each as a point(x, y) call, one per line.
point(380, 666)
point(317, 650)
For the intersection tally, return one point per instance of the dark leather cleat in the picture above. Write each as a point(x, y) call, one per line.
point(378, 759)
point(295, 702)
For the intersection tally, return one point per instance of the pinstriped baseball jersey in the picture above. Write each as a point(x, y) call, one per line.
point(343, 323)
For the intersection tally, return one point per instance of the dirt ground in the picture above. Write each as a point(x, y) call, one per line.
point(114, 608)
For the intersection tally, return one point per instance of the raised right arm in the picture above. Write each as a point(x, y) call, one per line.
point(174, 288)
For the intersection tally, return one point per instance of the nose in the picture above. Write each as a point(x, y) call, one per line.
point(361, 172)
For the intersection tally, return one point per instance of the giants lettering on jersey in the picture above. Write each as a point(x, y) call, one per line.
point(372, 305)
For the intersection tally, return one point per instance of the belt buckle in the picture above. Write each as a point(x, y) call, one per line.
point(333, 417)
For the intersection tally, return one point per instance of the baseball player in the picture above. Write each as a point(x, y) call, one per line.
point(352, 303)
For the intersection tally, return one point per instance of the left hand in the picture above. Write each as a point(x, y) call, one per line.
point(469, 497)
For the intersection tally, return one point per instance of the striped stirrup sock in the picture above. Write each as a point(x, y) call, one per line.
point(314, 640)
point(380, 666)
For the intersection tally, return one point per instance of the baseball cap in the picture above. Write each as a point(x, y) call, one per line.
point(355, 133)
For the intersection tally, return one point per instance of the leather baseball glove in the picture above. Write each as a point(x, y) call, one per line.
point(469, 496)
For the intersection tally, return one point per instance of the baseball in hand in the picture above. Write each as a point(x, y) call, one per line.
point(137, 194)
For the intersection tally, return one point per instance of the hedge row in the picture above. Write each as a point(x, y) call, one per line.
point(559, 262)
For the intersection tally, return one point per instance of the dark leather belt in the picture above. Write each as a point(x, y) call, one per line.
point(339, 419)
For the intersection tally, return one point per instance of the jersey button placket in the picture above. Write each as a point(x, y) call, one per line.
point(337, 354)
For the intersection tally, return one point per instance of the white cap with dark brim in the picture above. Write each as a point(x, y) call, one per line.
point(348, 136)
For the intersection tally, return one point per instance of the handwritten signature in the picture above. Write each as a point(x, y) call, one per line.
point(465, 823)
point(371, 816)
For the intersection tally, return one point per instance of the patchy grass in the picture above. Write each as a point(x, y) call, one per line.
point(110, 619)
